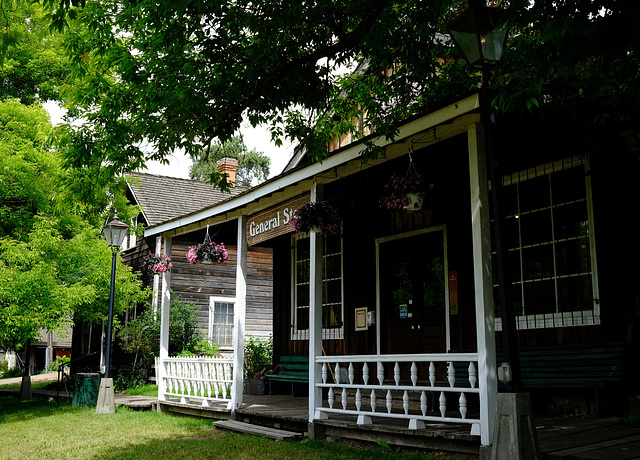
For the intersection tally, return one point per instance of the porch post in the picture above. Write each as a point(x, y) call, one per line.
point(481, 235)
point(239, 315)
point(164, 322)
point(156, 278)
point(315, 313)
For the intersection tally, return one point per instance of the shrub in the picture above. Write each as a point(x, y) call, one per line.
point(258, 355)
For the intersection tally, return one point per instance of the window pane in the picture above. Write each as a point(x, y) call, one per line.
point(569, 185)
point(535, 228)
point(534, 194)
point(537, 262)
point(574, 294)
point(571, 220)
point(539, 297)
point(573, 257)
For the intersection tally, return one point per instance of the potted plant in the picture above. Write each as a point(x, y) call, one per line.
point(153, 263)
point(404, 192)
point(320, 216)
point(207, 252)
point(258, 357)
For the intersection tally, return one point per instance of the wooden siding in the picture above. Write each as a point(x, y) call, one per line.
point(197, 283)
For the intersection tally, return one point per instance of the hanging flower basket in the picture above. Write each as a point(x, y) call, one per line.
point(320, 216)
point(153, 263)
point(407, 192)
point(207, 252)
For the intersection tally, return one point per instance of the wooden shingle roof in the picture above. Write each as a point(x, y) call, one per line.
point(164, 198)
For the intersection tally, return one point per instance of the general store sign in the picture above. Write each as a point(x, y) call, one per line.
point(274, 221)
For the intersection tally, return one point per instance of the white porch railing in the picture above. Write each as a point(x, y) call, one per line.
point(206, 379)
point(417, 388)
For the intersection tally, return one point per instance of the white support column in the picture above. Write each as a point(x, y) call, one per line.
point(164, 321)
point(481, 234)
point(239, 316)
point(156, 278)
point(316, 242)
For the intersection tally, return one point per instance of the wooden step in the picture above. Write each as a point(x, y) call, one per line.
point(242, 427)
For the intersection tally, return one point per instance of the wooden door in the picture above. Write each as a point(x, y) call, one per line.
point(413, 293)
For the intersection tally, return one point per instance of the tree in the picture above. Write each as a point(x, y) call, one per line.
point(34, 64)
point(53, 264)
point(167, 75)
point(253, 166)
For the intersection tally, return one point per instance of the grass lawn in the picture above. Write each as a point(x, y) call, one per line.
point(39, 429)
point(144, 390)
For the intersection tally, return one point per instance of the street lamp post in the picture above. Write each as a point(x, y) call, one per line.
point(114, 232)
point(480, 33)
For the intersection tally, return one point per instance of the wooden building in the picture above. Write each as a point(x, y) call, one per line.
point(396, 313)
point(210, 287)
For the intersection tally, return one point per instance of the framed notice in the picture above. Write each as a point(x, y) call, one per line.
point(361, 319)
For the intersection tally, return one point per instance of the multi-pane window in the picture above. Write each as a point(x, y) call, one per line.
point(551, 247)
point(221, 321)
point(332, 308)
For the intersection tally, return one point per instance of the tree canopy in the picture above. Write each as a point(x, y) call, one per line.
point(53, 264)
point(253, 166)
point(164, 75)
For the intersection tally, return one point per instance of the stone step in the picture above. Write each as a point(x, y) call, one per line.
point(248, 428)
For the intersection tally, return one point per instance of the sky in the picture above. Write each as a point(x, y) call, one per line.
point(257, 138)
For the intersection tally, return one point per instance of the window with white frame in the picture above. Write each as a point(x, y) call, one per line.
point(332, 288)
point(552, 257)
point(221, 321)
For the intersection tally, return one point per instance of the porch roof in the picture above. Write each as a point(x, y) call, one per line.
point(291, 183)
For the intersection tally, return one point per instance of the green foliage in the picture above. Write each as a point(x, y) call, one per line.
point(53, 264)
point(4, 365)
point(258, 355)
point(253, 166)
point(58, 364)
point(11, 373)
point(633, 419)
point(33, 65)
point(141, 336)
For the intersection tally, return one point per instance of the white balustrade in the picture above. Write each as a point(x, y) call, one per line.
point(187, 378)
point(417, 388)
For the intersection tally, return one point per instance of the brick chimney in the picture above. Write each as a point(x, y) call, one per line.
point(228, 166)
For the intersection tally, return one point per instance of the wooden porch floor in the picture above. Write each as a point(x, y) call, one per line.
point(565, 438)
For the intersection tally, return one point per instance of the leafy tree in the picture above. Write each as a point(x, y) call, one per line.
point(157, 76)
point(253, 166)
point(53, 264)
point(34, 65)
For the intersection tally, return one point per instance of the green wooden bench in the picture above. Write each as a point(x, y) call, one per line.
point(292, 369)
point(571, 366)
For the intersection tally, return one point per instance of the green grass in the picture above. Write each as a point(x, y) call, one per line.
point(144, 390)
point(16, 386)
point(39, 429)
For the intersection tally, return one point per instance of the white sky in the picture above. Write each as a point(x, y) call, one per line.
point(255, 138)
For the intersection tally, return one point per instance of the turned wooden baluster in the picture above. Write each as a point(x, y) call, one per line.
point(405, 402)
point(330, 398)
point(380, 373)
point(358, 400)
point(432, 373)
point(389, 401)
point(443, 403)
point(352, 373)
point(414, 374)
point(463, 405)
point(451, 374)
point(423, 403)
point(473, 375)
point(396, 374)
point(344, 398)
point(373, 400)
point(365, 374)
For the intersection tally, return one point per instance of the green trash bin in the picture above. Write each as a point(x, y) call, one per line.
point(86, 388)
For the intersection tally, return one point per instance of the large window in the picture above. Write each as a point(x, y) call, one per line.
point(332, 308)
point(221, 321)
point(549, 223)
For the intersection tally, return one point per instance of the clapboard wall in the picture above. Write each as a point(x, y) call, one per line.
point(198, 283)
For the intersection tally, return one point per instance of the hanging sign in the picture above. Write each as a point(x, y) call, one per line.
point(274, 221)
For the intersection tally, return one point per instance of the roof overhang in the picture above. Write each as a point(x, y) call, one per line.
point(456, 117)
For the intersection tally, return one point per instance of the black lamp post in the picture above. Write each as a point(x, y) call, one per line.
point(480, 34)
point(115, 232)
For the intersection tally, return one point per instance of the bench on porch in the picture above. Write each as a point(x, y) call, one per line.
point(571, 366)
point(293, 369)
